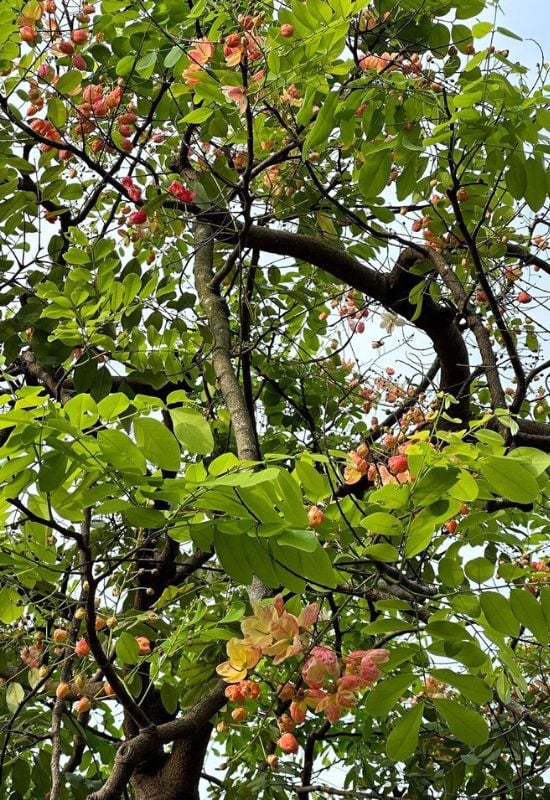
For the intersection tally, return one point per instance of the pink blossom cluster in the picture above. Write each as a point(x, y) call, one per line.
point(134, 192)
point(177, 189)
point(333, 683)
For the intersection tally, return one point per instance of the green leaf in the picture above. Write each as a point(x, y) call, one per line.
point(76, 256)
point(323, 125)
point(450, 572)
point(303, 540)
point(498, 613)
point(528, 611)
point(229, 550)
point(192, 430)
point(144, 517)
point(516, 176)
point(112, 406)
point(383, 523)
point(157, 443)
point(433, 485)
point(316, 486)
point(15, 694)
point(52, 471)
point(146, 65)
point(127, 649)
point(10, 605)
point(479, 569)
point(423, 526)
point(536, 190)
point(315, 567)
point(373, 175)
point(509, 479)
point(173, 56)
point(82, 411)
point(510, 34)
point(125, 65)
point(472, 688)
point(386, 693)
point(57, 112)
point(198, 115)
point(382, 552)
point(169, 696)
point(403, 739)
point(119, 451)
point(481, 29)
point(291, 502)
point(545, 602)
point(465, 724)
point(69, 81)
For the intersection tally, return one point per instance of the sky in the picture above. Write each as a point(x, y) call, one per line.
point(527, 18)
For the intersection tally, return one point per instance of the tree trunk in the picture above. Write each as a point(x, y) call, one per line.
point(178, 778)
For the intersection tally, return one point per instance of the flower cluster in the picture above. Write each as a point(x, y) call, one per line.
point(236, 46)
point(31, 655)
point(396, 471)
point(390, 62)
point(271, 631)
point(331, 683)
point(350, 311)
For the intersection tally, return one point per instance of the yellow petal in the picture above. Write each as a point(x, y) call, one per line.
point(230, 673)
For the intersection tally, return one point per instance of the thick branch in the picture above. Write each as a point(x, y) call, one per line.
point(435, 320)
point(132, 753)
point(217, 314)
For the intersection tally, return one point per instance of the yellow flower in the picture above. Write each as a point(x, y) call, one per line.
point(242, 657)
point(257, 629)
point(287, 639)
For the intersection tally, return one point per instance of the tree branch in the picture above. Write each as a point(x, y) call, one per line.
point(131, 753)
point(217, 314)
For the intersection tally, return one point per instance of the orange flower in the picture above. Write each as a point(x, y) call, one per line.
point(288, 743)
point(315, 517)
point(308, 616)
point(191, 74)
point(202, 52)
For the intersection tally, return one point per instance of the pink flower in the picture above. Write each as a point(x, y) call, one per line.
point(369, 671)
point(350, 683)
point(137, 217)
point(322, 663)
point(288, 743)
point(330, 705)
point(134, 193)
point(364, 663)
point(238, 95)
point(298, 710)
point(308, 616)
point(181, 192)
point(324, 654)
point(82, 648)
